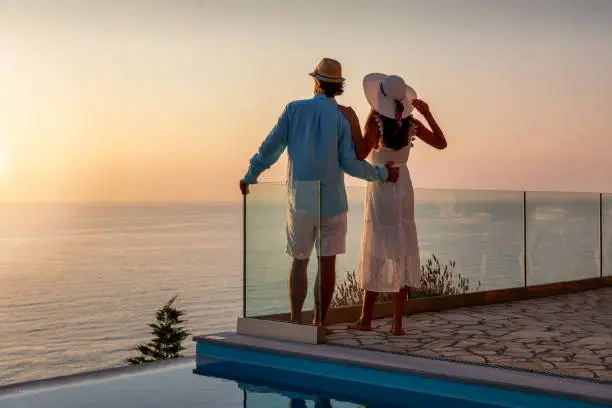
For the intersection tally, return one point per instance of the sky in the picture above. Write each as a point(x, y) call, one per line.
point(155, 101)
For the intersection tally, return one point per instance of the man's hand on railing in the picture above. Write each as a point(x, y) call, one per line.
point(244, 187)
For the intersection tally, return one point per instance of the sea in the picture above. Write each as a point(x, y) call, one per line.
point(79, 283)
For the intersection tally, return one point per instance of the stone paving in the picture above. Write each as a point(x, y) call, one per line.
point(566, 335)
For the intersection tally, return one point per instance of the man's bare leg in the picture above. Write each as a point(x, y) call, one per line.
point(324, 286)
point(298, 288)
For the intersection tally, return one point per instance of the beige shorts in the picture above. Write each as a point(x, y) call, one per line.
point(303, 232)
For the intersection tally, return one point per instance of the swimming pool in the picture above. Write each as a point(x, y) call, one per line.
point(176, 386)
point(232, 385)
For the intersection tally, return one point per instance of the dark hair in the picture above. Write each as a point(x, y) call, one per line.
point(331, 89)
point(395, 135)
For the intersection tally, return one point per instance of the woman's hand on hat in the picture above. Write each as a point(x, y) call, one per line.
point(421, 106)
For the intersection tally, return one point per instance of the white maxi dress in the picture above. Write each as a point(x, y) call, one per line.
point(389, 258)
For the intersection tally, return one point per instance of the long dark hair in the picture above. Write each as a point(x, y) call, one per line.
point(395, 134)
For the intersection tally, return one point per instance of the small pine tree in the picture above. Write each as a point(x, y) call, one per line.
point(168, 335)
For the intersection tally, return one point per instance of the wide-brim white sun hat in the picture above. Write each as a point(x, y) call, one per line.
point(382, 91)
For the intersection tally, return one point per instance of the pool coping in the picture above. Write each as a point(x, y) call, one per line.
point(529, 382)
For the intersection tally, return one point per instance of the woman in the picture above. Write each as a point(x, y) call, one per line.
point(389, 259)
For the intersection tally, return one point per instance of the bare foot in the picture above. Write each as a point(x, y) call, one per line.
point(398, 332)
point(396, 329)
point(359, 325)
point(315, 323)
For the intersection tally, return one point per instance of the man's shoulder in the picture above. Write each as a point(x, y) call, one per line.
point(297, 104)
point(312, 105)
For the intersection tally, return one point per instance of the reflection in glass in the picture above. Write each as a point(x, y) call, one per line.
point(480, 232)
point(278, 224)
point(562, 237)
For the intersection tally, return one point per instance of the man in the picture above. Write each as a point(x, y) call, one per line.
point(320, 148)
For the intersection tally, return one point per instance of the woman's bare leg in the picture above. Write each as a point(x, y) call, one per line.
point(399, 306)
point(367, 310)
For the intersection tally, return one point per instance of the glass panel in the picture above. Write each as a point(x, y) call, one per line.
point(562, 237)
point(477, 236)
point(606, 213)
point(267, 261)
point(347, 292)
point(469, 241)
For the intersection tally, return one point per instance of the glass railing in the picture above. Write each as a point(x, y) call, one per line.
point(563, 240)
point(274, 282)
point(477, 236)
point(468, 241)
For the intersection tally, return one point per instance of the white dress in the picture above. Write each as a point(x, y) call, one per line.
point(389, 257)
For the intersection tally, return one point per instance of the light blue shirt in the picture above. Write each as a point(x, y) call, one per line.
point(320, 147)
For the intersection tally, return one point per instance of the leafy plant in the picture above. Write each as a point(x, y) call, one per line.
point(168, 335)
point(436, 280)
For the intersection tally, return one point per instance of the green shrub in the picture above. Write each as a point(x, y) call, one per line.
point(168, 335)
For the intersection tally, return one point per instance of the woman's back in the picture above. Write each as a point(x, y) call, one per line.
point(385, 154)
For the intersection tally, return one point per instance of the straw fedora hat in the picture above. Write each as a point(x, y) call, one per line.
point(328, 70)
point(384, 91)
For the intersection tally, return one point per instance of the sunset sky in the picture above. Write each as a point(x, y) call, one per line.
point(167, 100)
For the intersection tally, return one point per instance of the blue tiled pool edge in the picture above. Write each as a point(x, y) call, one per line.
point(400, 373)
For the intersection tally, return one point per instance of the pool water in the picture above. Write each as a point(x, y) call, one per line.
point(178, 385)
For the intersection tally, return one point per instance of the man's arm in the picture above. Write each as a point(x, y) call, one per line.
point(363, 143)
point(356, 168)
point(270, 150)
